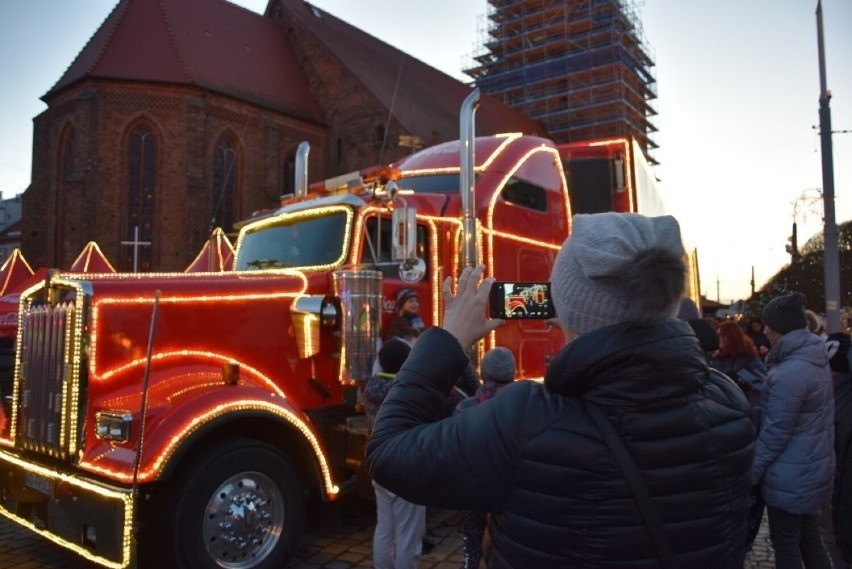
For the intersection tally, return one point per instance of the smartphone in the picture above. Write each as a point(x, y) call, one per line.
point(749, 376)
point(515, 301)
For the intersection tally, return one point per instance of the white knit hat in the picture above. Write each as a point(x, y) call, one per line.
point(618, 267)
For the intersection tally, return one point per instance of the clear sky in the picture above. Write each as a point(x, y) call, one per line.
point(738, 99)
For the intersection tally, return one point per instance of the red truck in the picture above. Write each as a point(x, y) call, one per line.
point(187, 419)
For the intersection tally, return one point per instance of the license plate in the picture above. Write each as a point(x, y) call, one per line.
point(39, 483)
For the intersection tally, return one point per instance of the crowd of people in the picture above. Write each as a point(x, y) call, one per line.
point(657, 439)
point(799, 473)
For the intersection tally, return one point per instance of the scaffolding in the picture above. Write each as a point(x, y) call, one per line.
point(581, 68)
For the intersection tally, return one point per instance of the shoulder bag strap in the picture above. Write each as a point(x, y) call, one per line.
point(637, 485)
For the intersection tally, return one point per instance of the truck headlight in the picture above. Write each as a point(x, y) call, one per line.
point(309, 313)
point(113, 425)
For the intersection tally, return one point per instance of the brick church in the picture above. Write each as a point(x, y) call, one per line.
point(179, 117)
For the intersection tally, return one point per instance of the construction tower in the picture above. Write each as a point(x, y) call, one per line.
point(581, 68)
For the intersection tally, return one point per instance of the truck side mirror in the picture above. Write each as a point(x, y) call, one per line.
point(404, 246)
point(404, 234)
point(618, 167)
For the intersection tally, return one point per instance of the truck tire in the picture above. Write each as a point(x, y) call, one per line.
point(239, 505)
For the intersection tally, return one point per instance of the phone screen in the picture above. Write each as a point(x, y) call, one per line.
point(512, 301)
point(749, 376)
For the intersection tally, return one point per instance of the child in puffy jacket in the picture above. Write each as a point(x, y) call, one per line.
point(498, 371)
point(400, 525)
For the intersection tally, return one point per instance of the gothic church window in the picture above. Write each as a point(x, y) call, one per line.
point(138, 232)
point(68, 154)
point(224, 184)
point(289, 182)
point(378, 136)
point(66, 168)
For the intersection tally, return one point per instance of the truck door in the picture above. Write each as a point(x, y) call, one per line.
point(376, 251)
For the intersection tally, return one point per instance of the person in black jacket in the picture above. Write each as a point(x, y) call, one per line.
point(707, 336)
point(498, 371)
point(533, 456)
point(837, 530)
point(754, 330)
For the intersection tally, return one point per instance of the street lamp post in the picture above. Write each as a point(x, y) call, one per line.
point(810, 203)
point(831, 257)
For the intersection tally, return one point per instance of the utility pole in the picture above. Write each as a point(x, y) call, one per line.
point(831, 257)
point(752, 282)
point(717, 288)
point(793, 247)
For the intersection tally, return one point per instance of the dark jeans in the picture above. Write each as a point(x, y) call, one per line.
point(796, 540)
point(755, 515)
point(473, 529)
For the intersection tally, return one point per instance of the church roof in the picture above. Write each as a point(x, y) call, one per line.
point(211, 44)
point(392, 75)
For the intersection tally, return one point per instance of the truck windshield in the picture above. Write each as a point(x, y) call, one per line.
point(301, 239)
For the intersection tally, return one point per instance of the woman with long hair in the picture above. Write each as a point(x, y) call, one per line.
point(739, 359)
point(737, 352)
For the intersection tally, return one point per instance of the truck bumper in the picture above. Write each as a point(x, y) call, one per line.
point(88, 517)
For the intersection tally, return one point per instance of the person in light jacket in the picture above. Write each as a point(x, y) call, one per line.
point(534, 458)
point(400, 525)
point(794, 454)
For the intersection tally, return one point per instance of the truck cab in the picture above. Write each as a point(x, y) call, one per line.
point(182, 419)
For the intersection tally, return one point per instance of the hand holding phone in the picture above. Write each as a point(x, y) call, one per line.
point(464, 311)
point(520, 300)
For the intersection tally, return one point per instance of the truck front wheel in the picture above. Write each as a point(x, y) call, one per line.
point(238, 506)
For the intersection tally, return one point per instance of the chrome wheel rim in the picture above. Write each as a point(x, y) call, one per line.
point(243, 520)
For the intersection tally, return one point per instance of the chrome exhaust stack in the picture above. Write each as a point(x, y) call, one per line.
point(467, 181)
point(301, 185)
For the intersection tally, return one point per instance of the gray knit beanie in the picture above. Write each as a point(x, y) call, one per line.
point(786, 313)
point(618, 267)
point(498, 365)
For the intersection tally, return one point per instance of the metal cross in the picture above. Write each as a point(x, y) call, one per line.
point(136, 244)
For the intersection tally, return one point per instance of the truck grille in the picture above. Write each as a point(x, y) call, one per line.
point(47, 377)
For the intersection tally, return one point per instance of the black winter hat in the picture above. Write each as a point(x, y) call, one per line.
point(393, 354)
point(839, 346)
point(786, 313)
point(403, 295)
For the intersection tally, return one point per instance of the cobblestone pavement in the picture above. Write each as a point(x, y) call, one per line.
point(761, 555)
point(337, 536)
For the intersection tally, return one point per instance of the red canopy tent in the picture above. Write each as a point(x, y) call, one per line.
point(14, 271)
point(15, 276)
point(91, 260)
point(10, 299)
point(217, 255)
